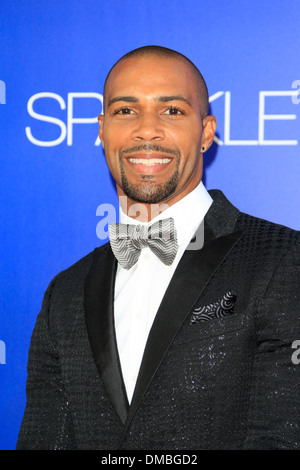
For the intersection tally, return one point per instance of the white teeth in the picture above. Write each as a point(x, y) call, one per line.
point(150, 161)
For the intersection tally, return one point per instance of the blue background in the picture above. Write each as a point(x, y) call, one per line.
point(50, 194)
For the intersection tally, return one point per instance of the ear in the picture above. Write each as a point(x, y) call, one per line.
point(208, 132)
point(100, 120)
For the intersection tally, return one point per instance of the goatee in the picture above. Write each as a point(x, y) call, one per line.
point(148, 191)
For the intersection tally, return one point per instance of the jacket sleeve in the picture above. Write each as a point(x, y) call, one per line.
point(274, 413)
point(47, 423)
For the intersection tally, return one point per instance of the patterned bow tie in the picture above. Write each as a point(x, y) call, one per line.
point(128, 240)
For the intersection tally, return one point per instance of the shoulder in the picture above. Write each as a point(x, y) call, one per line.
point(261, 231)
point(270, 249)
point(268, 234)
point(74, 276)
point(263, 247)
point(64, 296)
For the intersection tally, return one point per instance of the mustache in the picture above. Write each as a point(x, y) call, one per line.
point(150, 148)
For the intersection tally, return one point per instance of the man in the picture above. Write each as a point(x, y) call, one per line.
point(169, 347)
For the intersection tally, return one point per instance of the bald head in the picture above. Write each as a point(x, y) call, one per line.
point(164, 52)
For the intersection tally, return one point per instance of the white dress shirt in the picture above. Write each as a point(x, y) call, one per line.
point(140, 290)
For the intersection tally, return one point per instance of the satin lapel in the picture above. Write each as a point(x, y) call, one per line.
point(99, 314)
point(192, 275)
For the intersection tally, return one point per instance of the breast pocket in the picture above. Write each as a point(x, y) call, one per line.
point(211, 328)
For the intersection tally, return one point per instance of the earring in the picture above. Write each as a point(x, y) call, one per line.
point(202, 148)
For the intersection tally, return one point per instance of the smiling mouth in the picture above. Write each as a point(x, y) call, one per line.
point(148, 165)
point(150, 161)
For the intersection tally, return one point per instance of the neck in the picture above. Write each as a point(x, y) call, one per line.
point(140, 211)
point(145, 212)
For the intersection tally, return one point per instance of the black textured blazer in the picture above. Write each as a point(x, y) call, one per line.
point(218, 369)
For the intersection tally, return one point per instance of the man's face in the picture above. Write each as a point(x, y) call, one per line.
point(152, 131)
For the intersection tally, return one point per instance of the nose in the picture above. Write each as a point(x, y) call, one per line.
point(148, 127)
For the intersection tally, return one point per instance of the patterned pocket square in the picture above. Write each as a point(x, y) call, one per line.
point(218, 309)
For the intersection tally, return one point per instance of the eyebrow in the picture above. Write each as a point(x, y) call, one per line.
point(127, 99)
point(159, 99)
point(165, 99)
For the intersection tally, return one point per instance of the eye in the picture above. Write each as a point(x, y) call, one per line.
point(173, 111)
point(123, 111)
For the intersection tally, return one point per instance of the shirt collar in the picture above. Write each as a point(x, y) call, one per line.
point(187, 213)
